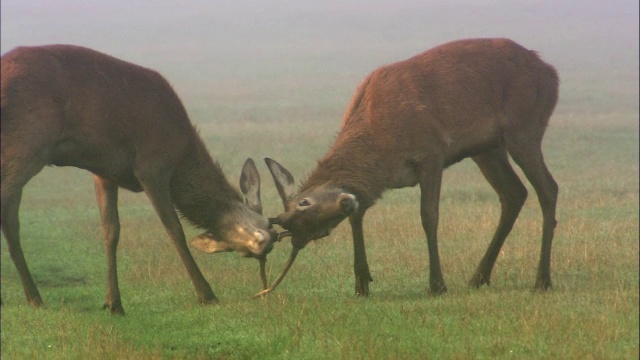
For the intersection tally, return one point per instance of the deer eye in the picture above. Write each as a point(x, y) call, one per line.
point(304, 203)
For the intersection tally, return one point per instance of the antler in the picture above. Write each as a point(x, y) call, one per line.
point(292, 258)
point(263, 266)
point(282, 235)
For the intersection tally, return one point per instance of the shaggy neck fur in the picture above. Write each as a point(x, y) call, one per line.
point(200, 191)
point(352, 166)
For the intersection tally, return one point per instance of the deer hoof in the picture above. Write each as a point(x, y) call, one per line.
point(362, 286)
point(213, 300)
point(35, 302)
point(478, 280)
point(115, 309)
point(438, 289)
point(542, 285)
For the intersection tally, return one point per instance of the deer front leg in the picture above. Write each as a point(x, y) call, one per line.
point(107, 196)
point(430, 182)
point(157, 189)
point(360, 266)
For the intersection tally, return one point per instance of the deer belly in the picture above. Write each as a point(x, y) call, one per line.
point(113, 165)
point(472, 143)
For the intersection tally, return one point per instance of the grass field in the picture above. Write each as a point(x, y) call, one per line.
point(290, 110)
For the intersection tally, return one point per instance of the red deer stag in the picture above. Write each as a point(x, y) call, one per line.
point(479, 98)
point(71, 106)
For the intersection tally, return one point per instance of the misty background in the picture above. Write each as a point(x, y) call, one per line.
point(311, 55)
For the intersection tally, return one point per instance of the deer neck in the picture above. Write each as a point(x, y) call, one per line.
point(350, 165)
point(200, 191)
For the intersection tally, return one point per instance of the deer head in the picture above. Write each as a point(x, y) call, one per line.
point(243, 230)
point(311, 214)
point(307, 216)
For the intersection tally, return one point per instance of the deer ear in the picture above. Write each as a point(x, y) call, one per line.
point(206, 243)
point(250, 185)
point(283, 179)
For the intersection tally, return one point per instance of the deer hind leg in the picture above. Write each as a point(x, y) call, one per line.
point(526, 152)
point(14, 177)
point(156, 187)
point(512, 193)
point(430, 179)
point(107, 196)
point(360, 266)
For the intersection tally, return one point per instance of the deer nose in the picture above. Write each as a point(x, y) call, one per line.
point(348, 203)
point(264, 239)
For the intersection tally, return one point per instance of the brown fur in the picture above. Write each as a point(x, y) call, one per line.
point(478, 98)
point(65, 105)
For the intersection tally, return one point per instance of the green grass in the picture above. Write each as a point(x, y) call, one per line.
point(592, 312)
point(290, 110)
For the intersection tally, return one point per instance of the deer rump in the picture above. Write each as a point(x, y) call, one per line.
point(479, 98)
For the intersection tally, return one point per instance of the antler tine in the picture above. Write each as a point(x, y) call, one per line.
point(283, 235)
point(263, 272)
point(292, 258)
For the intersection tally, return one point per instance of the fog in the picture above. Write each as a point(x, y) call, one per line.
point(197, 44)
